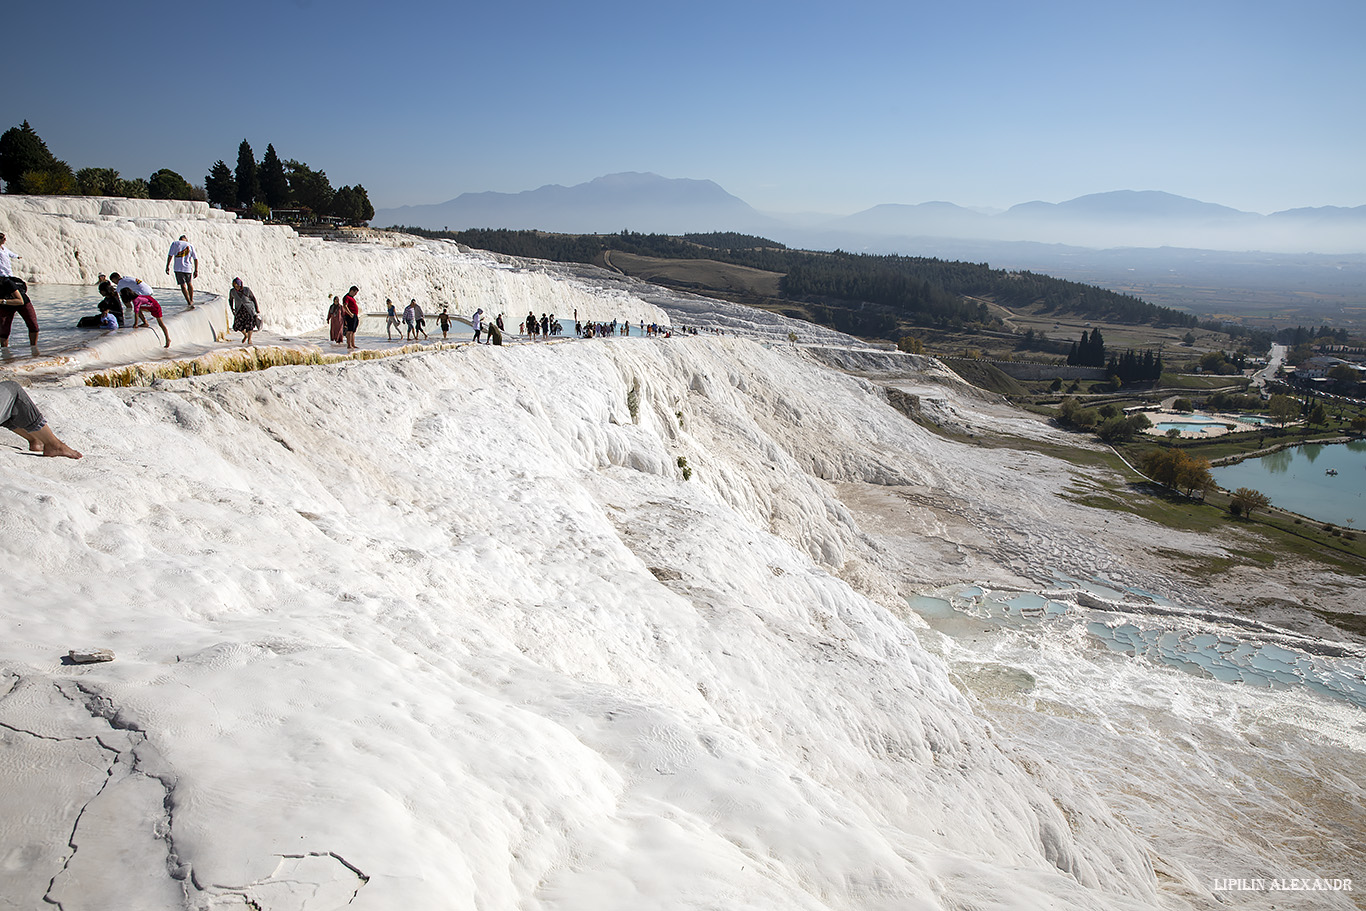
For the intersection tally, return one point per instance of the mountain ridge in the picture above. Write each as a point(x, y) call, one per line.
point(648, 203)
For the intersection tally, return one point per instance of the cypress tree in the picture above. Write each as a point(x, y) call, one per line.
point(248, 180)
point(274, 184)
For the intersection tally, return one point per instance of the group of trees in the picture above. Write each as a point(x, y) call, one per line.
point(1223, 363)
point(275, 184)
point(1176, 469)
point(28, 166)
point(1108, 422)
point(1133, 369)
point(1129, 369)
point(1089, 352)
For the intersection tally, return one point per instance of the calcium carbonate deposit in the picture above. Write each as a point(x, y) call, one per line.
point(700, 622)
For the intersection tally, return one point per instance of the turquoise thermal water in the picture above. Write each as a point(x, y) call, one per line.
point(1298, 479)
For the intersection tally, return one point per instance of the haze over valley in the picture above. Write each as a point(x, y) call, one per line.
point(1298, 265)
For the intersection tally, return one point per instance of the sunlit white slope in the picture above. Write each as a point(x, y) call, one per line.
point(451, 630)
point(71, 239)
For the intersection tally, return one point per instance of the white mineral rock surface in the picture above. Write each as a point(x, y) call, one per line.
point(451, 630)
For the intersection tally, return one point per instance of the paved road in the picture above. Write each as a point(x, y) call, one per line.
point(1274, 359)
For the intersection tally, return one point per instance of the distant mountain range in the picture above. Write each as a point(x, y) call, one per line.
point(1122, 218)
point(639, 202)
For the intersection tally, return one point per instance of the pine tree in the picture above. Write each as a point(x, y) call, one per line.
point(248, 179)
point(274, 184)
point(22, 151)
point(221, 185)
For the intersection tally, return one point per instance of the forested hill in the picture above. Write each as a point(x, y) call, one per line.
point(873, 296)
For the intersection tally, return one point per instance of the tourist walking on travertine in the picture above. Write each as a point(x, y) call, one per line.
point(18, 413)
point(477, 323)
point(335, 323)
point(410, 321)
point(14, 300)
point(391, 319)
point(350, 317)
point(142, 305)
point(246, 312)
point(6, 258)
point(186, 268)
point(419, 320)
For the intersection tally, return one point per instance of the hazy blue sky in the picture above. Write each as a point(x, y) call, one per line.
point(832, 106)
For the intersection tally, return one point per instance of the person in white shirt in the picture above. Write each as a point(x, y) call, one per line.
point(6, 259)
point(139, 286)
point(186, 268)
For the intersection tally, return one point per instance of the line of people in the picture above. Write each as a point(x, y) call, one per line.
point(343, 320)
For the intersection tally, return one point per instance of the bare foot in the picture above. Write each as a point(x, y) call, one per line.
point(44, 442)
point(60, 449)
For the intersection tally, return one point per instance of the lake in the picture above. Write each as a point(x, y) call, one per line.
point(1296, 479)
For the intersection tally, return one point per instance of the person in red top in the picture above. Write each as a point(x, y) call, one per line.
point(142, 305)
point(350, 317)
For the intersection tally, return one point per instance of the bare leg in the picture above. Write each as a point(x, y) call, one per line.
point(164, 331)
point(45, 441)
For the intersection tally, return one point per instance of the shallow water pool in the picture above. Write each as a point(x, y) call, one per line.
point(59, 307)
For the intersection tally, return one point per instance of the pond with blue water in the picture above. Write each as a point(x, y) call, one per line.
point(1323, 481)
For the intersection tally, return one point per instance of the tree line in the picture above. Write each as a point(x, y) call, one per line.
point(274, 184)
point(27, 166)
point(855, 292)
point(1130, 368)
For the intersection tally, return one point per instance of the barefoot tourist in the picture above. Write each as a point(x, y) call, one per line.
point(419, 320)
point(336, 326)
point(7, 256)
point(246, 313)
point(18, 413)
point(410, 321)
point(186, 268)
point(138, 285)
point(14, 300)
point(350, 317)
point(142, 305)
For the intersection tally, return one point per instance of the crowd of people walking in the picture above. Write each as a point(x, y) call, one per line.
point(127, 301)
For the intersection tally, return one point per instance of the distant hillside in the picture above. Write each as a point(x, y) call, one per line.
point(1121, 218)
point(634, 201)
point(869, 296)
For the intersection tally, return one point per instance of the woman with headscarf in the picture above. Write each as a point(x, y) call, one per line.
point(334, 320)
point(246, 313)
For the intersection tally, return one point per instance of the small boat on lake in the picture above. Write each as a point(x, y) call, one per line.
point(1332, 471)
